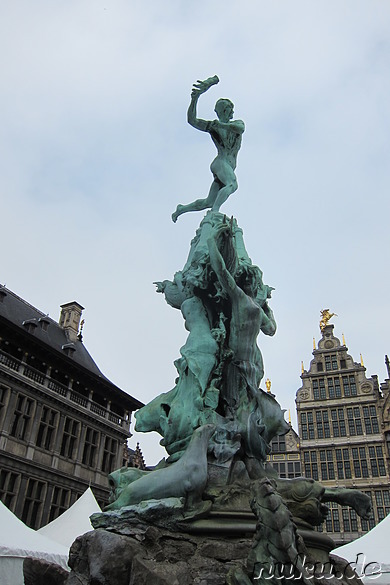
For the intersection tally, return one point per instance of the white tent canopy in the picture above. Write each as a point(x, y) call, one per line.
point(74, 521)
point(18, 541)
point(372, 550)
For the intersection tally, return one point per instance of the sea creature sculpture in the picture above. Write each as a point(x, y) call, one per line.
point(186, 477)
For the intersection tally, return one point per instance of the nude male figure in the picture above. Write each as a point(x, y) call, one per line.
point(226, 135)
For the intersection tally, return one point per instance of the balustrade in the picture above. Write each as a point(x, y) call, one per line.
point(115, 418)
point(9, 361)
point(98, 409)
point(75, 397)
point(38, 377)
point(34, 375)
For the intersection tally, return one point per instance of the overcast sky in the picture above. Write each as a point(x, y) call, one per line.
point(95, 154)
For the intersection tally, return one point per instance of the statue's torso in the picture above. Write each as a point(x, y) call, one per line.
point(227, 141)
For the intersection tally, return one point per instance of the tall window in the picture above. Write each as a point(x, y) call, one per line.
point(59, 503)
point(293, 469)
point(331, 362)
point(47, 426)
point(339, 464)
point(382, 501)
point(370, 420)
point(278, 444)
point(9, 485)
point(33, 501)
point(319, 391)
point(109, 454)
point(327, 465)
point(69, 438)
point(343, 464)
point(307, 425)
point(354, 421)
point(349, 386)
point(90, 447)
point(310, 425)
point(377, 461)
point(334, 389)
point(347, 464)
point(322, 420)
point(330, 387)
point(316, 392)
point(360, 465)
point(21, 419)
point(349, 520)
point(335, 422)
point(333, 521)
point(338, 422)
point(320, 429)
point(356, 462)
point(304, 426)
point(310, 463)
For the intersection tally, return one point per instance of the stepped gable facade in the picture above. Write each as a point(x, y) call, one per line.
point(344, 429)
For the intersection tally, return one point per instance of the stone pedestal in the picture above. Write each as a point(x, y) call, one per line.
point(153, 555)
point(127, 550)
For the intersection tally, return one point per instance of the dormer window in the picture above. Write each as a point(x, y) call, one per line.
point(44, 323)
point(69, 349)
point(30, 325)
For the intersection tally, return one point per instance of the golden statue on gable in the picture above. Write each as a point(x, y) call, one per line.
point(326, 315)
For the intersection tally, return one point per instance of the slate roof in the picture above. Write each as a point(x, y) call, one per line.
point(17, 311)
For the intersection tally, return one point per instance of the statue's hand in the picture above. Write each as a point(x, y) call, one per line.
point(202, 86)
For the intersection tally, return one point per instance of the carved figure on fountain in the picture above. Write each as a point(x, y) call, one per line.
point(225, 306)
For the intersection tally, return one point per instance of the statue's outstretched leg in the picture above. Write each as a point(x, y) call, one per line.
point(199, 204)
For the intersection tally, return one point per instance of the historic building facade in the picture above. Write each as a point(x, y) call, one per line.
point(285, 455)
point(344, 429)
point(63, 424)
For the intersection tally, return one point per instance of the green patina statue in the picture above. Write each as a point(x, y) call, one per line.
point(225, 306)
point(216, 423)
point(226, 135)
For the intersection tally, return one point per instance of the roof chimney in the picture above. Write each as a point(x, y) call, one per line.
point(70, 319)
